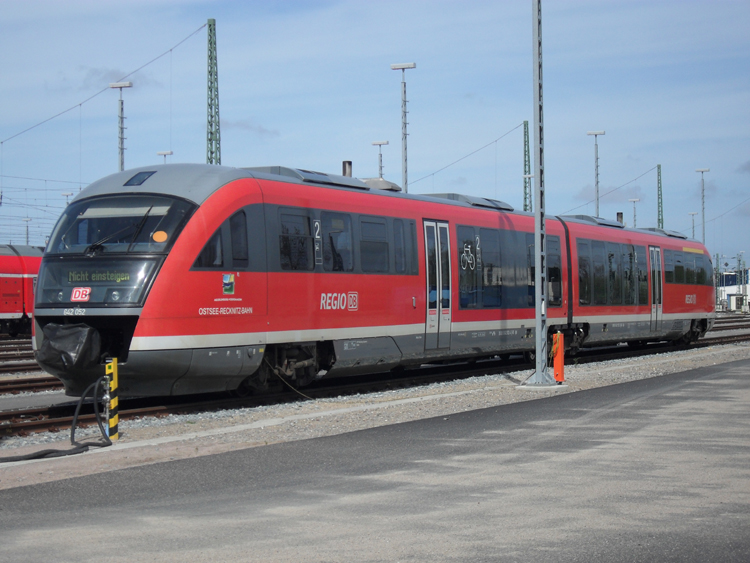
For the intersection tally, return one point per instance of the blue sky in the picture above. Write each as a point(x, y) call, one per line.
point(308, 84)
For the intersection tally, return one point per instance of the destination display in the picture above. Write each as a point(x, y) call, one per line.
point(109, 282)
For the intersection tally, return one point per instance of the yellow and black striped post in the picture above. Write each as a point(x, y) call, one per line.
point(114, 418)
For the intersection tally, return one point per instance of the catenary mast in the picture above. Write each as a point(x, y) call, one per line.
point(213, 131)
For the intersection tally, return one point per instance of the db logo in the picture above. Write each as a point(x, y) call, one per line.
point(80, 294)
point(352, 301)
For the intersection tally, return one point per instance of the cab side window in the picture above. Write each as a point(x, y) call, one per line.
point(212, 255)
point(238, 232)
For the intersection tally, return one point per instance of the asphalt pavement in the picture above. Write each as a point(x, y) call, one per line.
point(652, 470)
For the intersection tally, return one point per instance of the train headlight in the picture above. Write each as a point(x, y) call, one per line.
point(59, 295)
point(115, 295)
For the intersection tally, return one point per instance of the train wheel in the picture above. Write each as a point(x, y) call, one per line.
point(529, 357)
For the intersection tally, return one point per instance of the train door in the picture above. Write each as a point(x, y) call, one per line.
point(437, 251)
point(656, 287)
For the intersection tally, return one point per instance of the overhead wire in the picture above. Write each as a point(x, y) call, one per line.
point(610, 191)
point(40, 180)
point(103, 89)
point(468, 155)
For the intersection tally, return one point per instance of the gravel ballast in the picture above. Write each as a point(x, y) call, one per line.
point(153, 440)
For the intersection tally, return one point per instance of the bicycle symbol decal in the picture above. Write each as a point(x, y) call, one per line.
point(467, 258)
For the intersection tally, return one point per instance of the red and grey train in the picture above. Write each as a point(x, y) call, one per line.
point(205, 278)
point(19, 266)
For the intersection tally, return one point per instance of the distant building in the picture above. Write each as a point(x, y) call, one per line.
point(731, 295)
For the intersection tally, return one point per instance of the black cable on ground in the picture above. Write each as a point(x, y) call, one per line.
point(78, 447)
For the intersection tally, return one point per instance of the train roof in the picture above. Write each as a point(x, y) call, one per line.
point(20, 250)
point(604, 222)
point(196, 183)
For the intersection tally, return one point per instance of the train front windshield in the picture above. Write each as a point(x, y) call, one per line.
point(104, 251)
point(119, 224)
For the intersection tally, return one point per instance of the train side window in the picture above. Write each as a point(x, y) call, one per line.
point(531, 270)
point(468, 275)
point(640, 259)
point(238, 232)
point(614, 270)
point(491, 269)
point(399, 246)
point(628, 277)
point(668, 266)
point(295, 242)
point(689, 259)
point(554, 272)
point(411, 248)
point(709, 270)
point(373, 248)
point(212, 255)
point(703, 270)
point(700, 269)
point(598, 254)
point(337, 242)
point(584, 272)
point(514, 269)
point(679, 268)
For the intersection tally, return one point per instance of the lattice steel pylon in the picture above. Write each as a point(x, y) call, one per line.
point(213, 130)
point(527, 203)
point(660, 204)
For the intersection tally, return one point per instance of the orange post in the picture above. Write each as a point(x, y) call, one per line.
point(558, 350)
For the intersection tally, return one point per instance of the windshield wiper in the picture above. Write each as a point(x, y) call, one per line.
point(99, 245)
point(139, 227)
point(92, 248)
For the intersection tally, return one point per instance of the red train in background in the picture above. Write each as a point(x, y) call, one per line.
point(207, 278)
point(19, 266)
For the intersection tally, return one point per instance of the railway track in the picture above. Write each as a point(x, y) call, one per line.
point(29, 384)
point(58, 418)
point(16, 355)
point(20, 366)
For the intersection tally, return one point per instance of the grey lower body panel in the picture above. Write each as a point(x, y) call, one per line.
point(173, 372)
point(489, 342)
point(364, 355)
point(218, 369)
point(614, 332)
